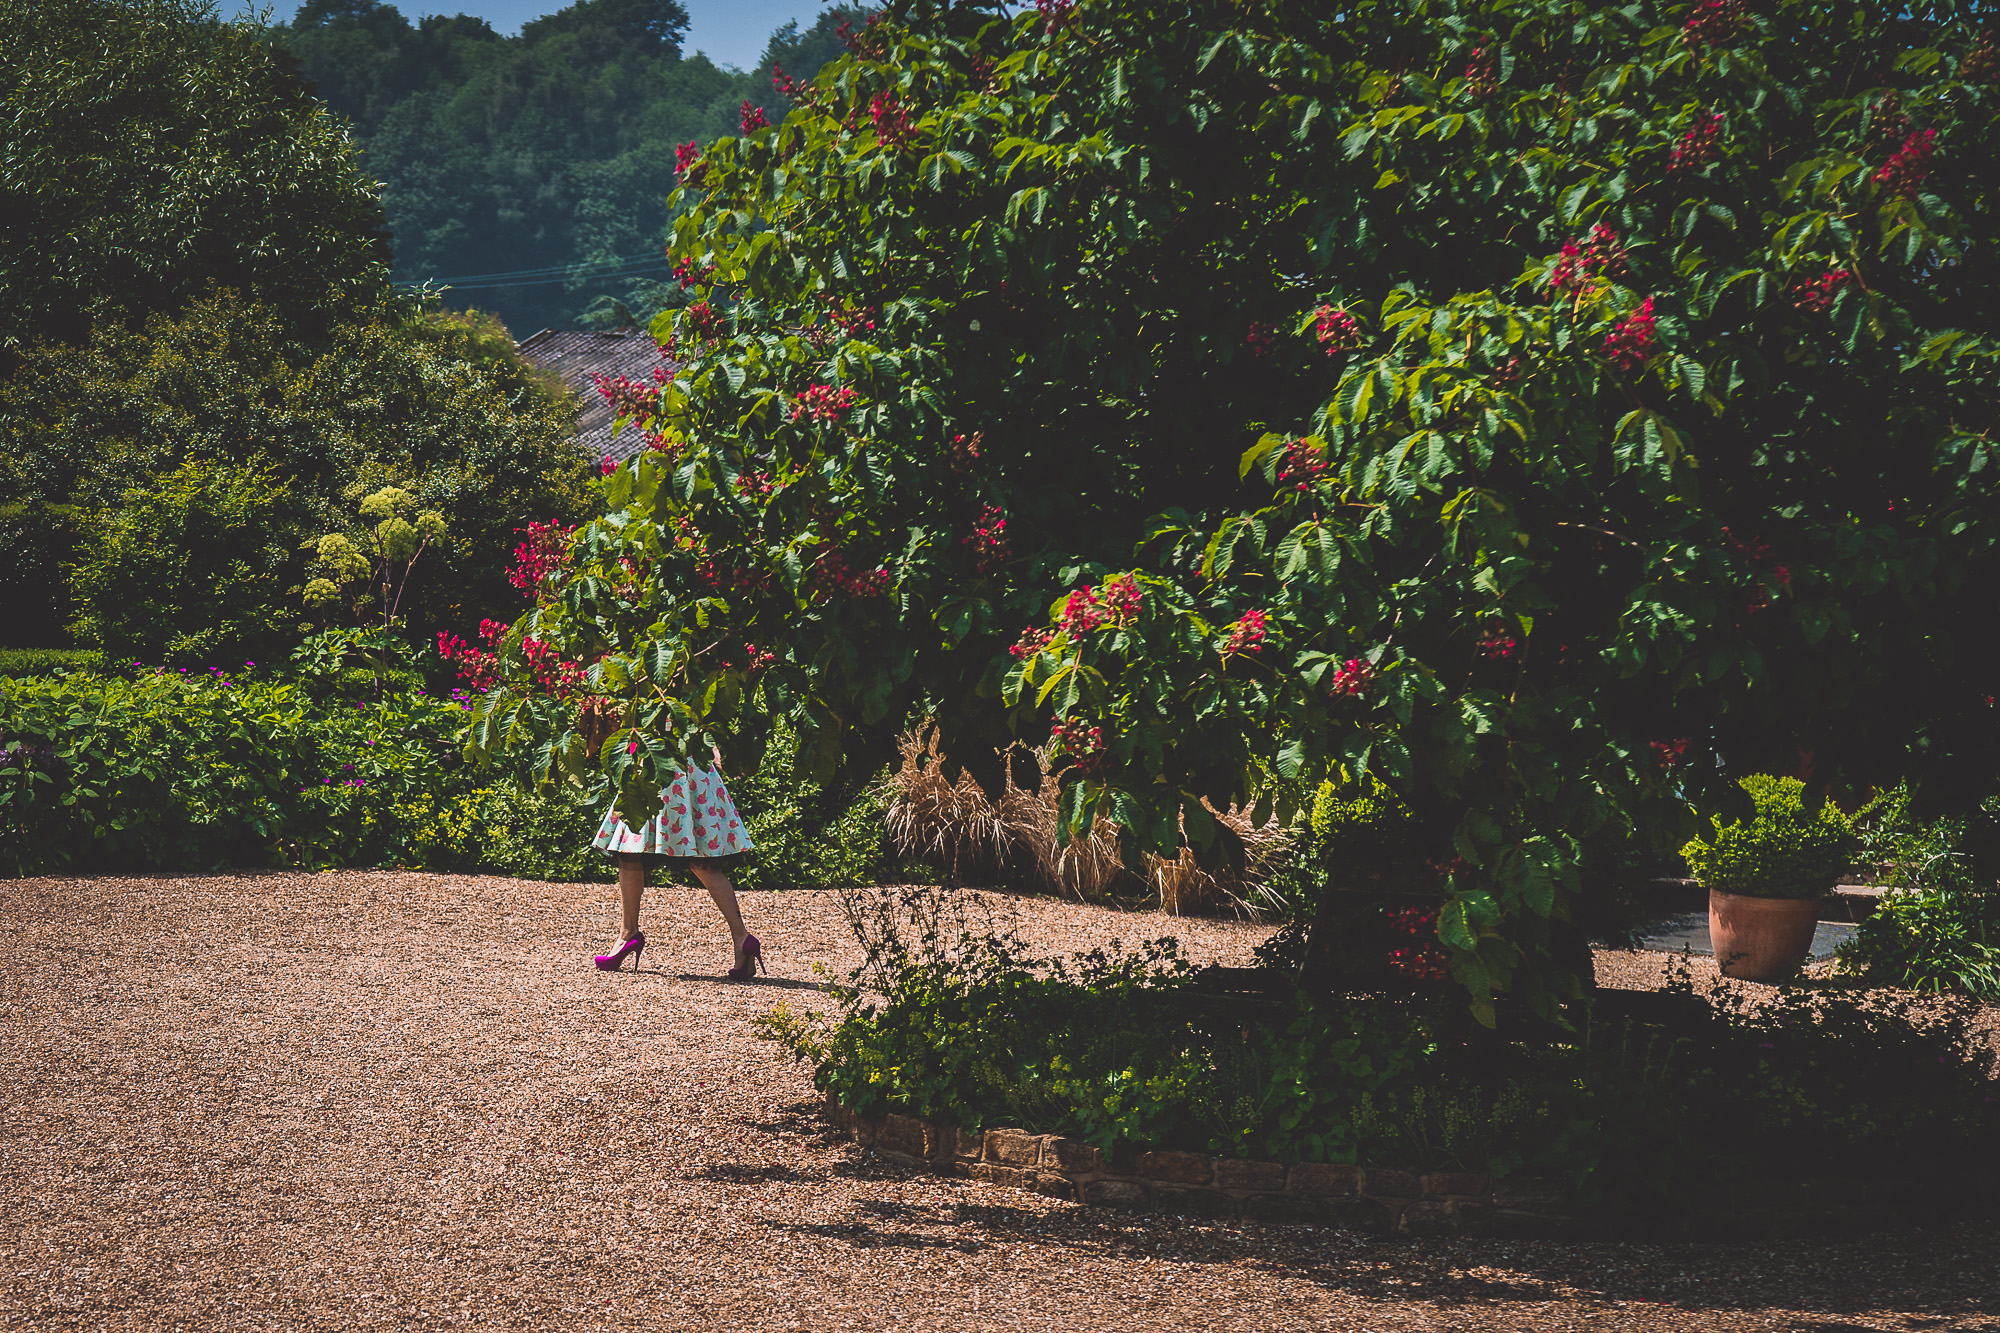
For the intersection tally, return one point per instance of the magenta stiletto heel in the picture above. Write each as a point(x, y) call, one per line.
point(753, 959)
point(611, 962)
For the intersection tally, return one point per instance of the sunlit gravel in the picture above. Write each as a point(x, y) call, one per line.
point(390, 1100)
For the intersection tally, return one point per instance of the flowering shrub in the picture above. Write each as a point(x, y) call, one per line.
point(1059, 332)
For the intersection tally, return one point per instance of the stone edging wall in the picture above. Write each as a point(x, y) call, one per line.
point(1359, 1198)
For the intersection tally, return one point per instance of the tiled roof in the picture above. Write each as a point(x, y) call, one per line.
point(579, 354)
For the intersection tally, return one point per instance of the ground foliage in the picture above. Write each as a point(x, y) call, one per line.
point(1523, 404)
point(956, 1023)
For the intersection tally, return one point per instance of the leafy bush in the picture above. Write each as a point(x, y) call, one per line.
point(1789, 849)
point(185, 770)
point(49, 661)
point(390, 397)
point(1121, 1049)
point(189, 570)
point(191, 771)
point(1938, 927)
point(1942, 939)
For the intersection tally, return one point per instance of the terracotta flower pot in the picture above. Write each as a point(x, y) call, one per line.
point(1760, 939)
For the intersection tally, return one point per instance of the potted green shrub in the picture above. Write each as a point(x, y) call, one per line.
point(1766, 878)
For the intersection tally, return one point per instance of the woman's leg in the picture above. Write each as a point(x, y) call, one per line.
point(631, 884)
point(724, 893)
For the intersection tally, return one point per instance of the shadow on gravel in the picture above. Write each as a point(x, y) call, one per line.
point(1945, 1276)
point(770, 983)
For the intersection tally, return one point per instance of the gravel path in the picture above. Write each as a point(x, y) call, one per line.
point(375, 1100)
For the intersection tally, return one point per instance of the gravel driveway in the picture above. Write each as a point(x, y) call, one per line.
point(378, 1100)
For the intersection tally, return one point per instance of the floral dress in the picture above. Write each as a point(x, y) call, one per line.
point(696, 820)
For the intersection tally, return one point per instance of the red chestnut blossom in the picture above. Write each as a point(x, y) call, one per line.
point(1084, 744)
point(1816, 294)
point(702, 320)
point(1303, 467)
point(1715, 23)
point(1903, 174)
point(1699, 146)
point(1246, 635)
point(1630, 344)
point(1033, 639)
point(1602, 253)
point(833, 574)
point(1887, 123)
point(893, 126)
point(868, 41)
point(753, 117)
point(966, 450)
point(756, 485)
point(823, 402)
point(1262, 337)
point(1669, 755)
point(1482, 72)
point(1425, 960)
point(755, 658)
point(1498, 646)
point(1337, 330)
point(1352, 676)
point(479, 668)
point(989, 540)
point(1121, 598)
point(606, 467)
point(1055, 13)
point(786, 86)
point(1081, 614)
point(543, 556)
point(687, 163)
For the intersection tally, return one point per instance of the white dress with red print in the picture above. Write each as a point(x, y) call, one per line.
point(696, 819)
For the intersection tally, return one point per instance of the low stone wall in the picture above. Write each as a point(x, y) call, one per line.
point(1361, 1198)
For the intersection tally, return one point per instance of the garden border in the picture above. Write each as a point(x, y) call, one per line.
point(1378, 1199)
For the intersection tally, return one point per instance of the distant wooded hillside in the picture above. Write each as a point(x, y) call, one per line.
point(532, 171)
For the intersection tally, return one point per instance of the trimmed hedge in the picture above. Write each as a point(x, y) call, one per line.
point(180, 771)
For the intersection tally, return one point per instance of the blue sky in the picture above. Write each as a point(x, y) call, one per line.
point(732, 32)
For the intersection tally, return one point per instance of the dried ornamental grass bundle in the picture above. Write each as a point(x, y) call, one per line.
point(976, 838)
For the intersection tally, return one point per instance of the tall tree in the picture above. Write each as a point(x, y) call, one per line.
point(149, 151)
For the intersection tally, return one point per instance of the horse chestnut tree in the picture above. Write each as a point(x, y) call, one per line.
point(1550, 409)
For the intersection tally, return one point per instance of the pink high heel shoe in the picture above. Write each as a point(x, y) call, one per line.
point(752, 953)
point(611, 962)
